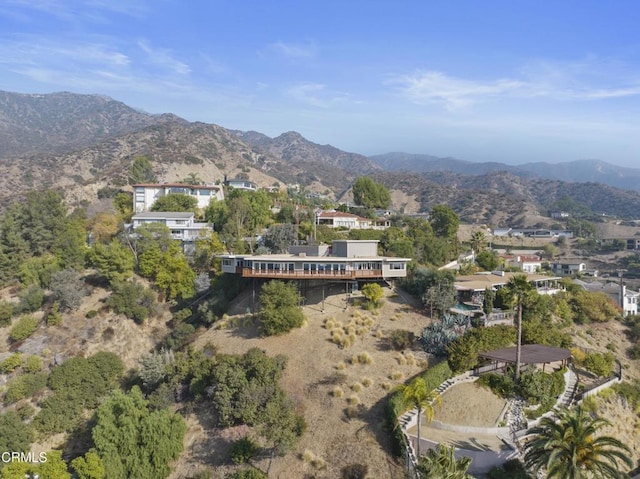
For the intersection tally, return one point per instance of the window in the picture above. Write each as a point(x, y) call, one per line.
point(227, 262)
point(396, 266)
point(205, 192)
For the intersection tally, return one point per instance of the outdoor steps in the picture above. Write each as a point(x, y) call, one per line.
point(569, 390)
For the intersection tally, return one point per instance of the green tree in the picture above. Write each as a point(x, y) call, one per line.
point(416, 395)
point(177, 202)
point(518, 289)
point(278, 238)
point(444, 221)
point(487, 300)
point(114, 261)
point(478, 241)
point(442, 463)
point(488, 260)
point(373, 293)
point(123, 203)
point(141, 171)
point(132, 440)
point(174, 276)
point(15, 435)
point(570, 446)
point(89, 466)
point(279, 310)
point(370, 194)
point(133, 300)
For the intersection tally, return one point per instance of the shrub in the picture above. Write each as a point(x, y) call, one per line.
point(31, 299)
point(249, 474)
point(599, 364)
point(33, 364)
point(11, 363)
point(91, 314)
point(243, 450)
point(6, 312)
point(25, 386)
point(24, 328)
point(400, 339)
point(133, 300)
point(54, 318)
point(68, 289)
point(354, 471)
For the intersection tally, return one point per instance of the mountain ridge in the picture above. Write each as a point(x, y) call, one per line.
point(113, 135)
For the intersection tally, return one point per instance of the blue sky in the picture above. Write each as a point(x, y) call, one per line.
point(509, 81)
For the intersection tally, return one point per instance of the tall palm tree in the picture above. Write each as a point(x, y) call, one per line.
point(518, 288)
point(442, 463)
point(477, 241)
point(417, 395)
point(569, 448)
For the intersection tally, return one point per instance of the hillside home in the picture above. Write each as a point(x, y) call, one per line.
point(240, 184)
point(182, 225)
point(623, 297)
point(633, 243)
point(339, 219)
point(568, 268)
point(526, 263)
point(145, 195)
point(471, 288)
point(343, 260)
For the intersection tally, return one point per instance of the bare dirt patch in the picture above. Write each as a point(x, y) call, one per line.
point(342, 427)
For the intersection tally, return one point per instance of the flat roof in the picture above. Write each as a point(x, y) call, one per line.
point(479, 282)
point(163, 215)
point(530, 354)
point(324, 259)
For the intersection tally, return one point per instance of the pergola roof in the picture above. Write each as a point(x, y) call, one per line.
point(530, 354)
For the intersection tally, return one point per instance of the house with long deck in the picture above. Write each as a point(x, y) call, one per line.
point(340, 219)
point(351, 260)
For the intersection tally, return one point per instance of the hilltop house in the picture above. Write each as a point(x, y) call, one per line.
point(526, 263)
point(240, 184)
point(568, 268)
point(344, 260)
point(182, 225)
point(339, 219)
point(145, 195)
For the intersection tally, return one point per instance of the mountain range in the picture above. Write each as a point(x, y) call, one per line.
point(83, 144)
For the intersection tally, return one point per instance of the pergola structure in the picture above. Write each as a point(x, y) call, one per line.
point(529, 354)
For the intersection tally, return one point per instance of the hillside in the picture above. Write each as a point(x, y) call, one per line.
point(62, 122)
point(82, 143)
point(579, 171)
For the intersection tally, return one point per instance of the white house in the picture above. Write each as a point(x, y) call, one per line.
point(339, 219)
point(182, 225)
point(145, 195)
point(240, 184)
point(527, 263)
point(568, 268)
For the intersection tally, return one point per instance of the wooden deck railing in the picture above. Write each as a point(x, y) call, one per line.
point(310, 274)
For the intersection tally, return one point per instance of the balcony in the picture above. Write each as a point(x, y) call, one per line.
point(310, 274)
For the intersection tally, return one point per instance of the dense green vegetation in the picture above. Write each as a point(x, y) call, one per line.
point(279, 308)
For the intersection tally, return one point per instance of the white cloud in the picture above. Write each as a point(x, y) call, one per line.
point(293, 50)
point(315, 94)
point(581, 81)
point(163, 58)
